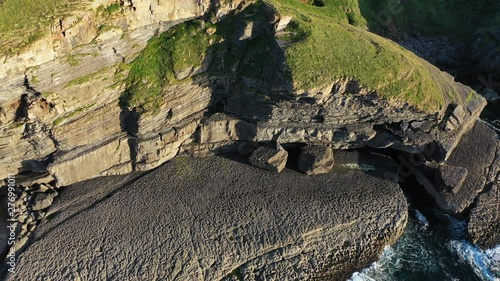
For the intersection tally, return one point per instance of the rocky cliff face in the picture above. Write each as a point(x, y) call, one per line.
point(121, 87)
point(60, 95)
point(62, 109)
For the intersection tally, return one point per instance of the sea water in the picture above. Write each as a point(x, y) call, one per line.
point(437, 249)
point(433, 250)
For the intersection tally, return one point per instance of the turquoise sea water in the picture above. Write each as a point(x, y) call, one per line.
point(433, 251)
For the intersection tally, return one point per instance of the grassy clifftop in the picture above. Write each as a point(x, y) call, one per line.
point(24, 21)
point(334, 48)
point(328, 40)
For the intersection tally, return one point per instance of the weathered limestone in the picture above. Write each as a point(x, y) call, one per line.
point(484, 221)
point(43, 200)
point(27, 211)
point(113, 156)
point(455, 185)
point(260, 226)
point(75, 70)
point(222, 128)
point(439, 144)
point(154, 151)
point(89, 128)
point(271, 157)
point(315, 160)
point(65, 100)
point(475, 152)
point(24, 147)
point(452, 177)
point(455, 119)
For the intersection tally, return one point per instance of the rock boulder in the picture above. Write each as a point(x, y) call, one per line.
point(315, 160)
point(270, 157)
point(456, 184)
point(452, 177)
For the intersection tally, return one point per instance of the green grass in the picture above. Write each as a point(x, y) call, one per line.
point(72, 114)
point(172, 52)
point(329, 42)
point(331, 48)
point(105, 28)
point(472, 96)
point(22, 22)
point(110, 9)
point(76, 59)
point(89, 77)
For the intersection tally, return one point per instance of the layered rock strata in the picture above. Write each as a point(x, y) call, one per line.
point(60, 109)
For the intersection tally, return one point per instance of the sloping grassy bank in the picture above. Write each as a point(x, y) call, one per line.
point(334, 48)
point(172, 52)
point(22, 22)
point(329, 41)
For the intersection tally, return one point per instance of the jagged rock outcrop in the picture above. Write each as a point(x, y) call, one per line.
point(456, 184)
point(316, 160)
point(19, 218)
point(218, 219)
point(484, 218)
point(484, 221)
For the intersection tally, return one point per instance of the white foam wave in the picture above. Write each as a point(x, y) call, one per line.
point(486, 264)
point(494, 124)
point(378, 270)
point(423, 221)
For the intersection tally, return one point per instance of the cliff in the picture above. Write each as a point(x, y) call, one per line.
point(113, 87)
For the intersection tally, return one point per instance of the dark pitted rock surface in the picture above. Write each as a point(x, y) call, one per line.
point(452, 177)
point(473, 157)
point(316, 160)
point(476, 153)
point(484, 224)
point(217, 219)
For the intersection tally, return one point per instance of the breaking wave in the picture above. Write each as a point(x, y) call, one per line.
point(433, 251)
